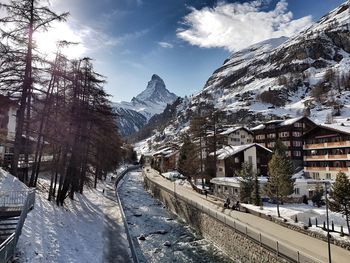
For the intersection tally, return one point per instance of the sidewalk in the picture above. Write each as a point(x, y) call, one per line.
point(116, 245)
point(308, 245)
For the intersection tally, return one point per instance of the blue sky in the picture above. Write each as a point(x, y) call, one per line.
point(182, 41)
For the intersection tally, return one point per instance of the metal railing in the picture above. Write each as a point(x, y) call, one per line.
point(13, 198)
point(7, 248)
point(273, 245)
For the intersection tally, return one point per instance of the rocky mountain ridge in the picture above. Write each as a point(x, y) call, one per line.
point(135, 114)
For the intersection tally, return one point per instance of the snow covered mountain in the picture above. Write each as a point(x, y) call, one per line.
point(135, 114)
point(307, 74)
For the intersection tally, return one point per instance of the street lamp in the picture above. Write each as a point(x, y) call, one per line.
point(328, 237)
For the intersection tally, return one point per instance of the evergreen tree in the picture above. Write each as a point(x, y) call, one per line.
point(246, 183)
point(340, 196)
point(280, 183)
point(188, 161)
point(317, 196)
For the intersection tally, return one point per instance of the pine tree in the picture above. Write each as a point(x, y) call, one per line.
point(280, 183)
point(340, 196)
point(188, 161)
point(246, 183)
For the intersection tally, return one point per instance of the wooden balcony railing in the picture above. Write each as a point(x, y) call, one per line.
point(327, 145)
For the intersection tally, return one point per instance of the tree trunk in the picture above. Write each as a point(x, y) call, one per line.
point(27, 83)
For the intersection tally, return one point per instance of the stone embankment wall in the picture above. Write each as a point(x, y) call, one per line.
point(236, 245)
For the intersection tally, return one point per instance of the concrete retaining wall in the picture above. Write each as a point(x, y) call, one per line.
point(234, 244)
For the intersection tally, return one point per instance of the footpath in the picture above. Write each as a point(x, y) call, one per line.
point(313, 247)
point(116, 246)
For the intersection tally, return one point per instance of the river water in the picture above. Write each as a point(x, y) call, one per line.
point(167, 238)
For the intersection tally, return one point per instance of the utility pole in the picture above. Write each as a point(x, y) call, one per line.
point(328, 236)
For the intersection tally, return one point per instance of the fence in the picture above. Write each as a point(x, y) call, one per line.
point(7, 248)
point(13, 198)
point(280, 249)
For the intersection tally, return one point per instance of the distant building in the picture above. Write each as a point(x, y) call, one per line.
point(166, 159)
point(231, 158)
point(229, 187)
point(236, 136)
point(8, 110)
point(289, 131)
point(327, 151)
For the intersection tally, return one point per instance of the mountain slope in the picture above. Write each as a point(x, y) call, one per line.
point(135, 114)
point(306, 74)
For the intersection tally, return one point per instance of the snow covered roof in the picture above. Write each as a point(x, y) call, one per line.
point(10, 183)
point(336, 127)
point(279, 123)
point(230, 150)
point(234, 181)
point(234, 129)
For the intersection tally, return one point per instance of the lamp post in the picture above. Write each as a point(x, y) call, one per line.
point(328, 237)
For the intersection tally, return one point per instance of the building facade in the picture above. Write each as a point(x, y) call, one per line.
point(231, 158)
point(8, 110)
point(236, 136)
point(327, 151)
point(289, 131)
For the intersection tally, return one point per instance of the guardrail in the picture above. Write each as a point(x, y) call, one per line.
point(7, 248)
point(128, 235)
point(280, 249)
point(13, 198)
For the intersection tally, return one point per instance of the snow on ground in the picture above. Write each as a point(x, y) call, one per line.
point(10, 183)
point(69, 234)
point(303, 213)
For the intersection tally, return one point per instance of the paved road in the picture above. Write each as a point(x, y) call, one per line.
point(116, 247)
point(297, 241)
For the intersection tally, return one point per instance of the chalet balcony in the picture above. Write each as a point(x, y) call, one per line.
point(327, 145)
point(327, 169)
point(327, 157)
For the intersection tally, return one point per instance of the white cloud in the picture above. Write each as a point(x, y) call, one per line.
point(165, 45)
point(235, 26)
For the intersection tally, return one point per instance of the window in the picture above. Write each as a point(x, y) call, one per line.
point(271, 144)
point(297, 134)
point(249, 140)
point(297, 191)
point(220, 169)
point(271, 135)
point(260, 137)
point(298, 125)
point(297, 143)
point(328, 176)
point(286, 143)
point(284, 134)
point(297, 153)
point(225, 188)
point(242, 136)
point(250, 160)
point(236, 160)
point(316, 176)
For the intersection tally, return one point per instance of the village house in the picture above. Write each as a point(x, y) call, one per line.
point(289, 131)
point(166, 159)
point(229, 187)
point(327, 151)
point(8, 110)
point(230, 159)
point(236, 136)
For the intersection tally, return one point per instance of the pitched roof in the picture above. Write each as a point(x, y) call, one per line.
point(336, 127)
point(230, 150)
point(279, 123)
point(234, 129)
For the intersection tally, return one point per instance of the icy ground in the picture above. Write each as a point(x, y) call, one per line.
point(69, 234)
point(303, 213)
point(146, 216)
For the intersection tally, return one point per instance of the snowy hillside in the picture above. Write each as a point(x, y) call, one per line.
point(135, 114)
point(307, 74)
